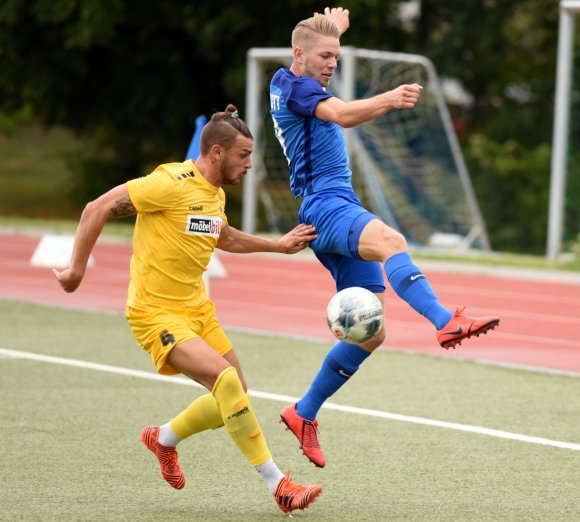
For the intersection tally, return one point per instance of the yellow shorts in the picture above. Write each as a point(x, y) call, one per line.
point(158, 329)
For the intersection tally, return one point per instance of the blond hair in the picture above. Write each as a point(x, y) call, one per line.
point(308, 30)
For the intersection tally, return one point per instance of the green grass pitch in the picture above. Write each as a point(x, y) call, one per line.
point(71, 451)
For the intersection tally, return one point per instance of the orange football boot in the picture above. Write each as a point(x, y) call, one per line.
point(167, 456)
point(306, 431)
point(290, 496)
point(462, 327)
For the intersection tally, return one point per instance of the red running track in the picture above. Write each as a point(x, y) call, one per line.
point(288, 295)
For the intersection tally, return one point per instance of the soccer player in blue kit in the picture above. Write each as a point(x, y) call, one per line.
point(353, 244)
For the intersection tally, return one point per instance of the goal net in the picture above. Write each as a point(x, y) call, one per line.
point(407, 165)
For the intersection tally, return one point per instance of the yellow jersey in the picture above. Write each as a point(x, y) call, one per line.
point(179, 220)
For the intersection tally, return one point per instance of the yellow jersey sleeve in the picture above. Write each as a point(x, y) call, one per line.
point(154, 192)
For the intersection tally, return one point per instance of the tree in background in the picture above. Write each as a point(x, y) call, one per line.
point(130, 77)
point(504, 54)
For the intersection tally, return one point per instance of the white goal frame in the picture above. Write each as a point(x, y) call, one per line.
point(344, 86)
point(568, 10)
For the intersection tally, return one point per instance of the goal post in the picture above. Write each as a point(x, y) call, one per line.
point(407, 165)
point(568, 11)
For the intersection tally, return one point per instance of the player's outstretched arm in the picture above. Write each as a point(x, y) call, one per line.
point(115, 203)
point(233, 240)
point(352, 113)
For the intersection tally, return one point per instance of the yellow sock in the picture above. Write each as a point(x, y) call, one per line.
point(239, 417)
point(202, 414)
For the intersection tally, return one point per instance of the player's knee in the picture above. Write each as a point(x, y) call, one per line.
point(228, 383)
point(378, 242)
point(395, 241)
point(386, 243)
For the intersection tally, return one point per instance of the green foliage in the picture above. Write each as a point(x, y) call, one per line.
point(512, 182)
point(35, 180)
point(131, 77)
point(16, 118)
point(574, 248)
point(500, 51)
point(513, 187)
point(504, 55)
point(572, 195)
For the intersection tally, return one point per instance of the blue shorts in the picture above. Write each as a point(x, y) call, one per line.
point(339, 219)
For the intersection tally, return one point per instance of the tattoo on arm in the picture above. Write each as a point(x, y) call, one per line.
point(123, 207)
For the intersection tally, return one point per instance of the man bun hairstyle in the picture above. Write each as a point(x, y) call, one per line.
point(308, 30)
point(223, 129)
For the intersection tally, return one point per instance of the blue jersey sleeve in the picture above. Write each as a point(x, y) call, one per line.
point(303, 95)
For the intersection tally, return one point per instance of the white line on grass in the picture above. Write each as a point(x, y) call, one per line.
point(16, 354)
point(326, 340)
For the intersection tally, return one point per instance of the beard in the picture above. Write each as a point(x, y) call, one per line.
point(228, 176)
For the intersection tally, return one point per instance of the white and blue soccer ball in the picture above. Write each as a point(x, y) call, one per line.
point(355, 315)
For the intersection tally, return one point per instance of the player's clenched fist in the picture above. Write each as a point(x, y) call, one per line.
point(405, 96)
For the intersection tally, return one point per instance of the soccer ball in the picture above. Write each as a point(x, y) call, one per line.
point(354, 315)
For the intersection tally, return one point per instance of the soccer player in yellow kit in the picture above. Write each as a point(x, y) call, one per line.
point(180, 221)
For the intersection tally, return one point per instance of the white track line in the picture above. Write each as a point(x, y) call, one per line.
point(16, 354)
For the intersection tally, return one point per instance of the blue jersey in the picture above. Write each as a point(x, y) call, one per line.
point(315, 148)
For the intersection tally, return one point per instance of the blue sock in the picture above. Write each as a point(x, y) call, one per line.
point(411, 285)
point(339, 365)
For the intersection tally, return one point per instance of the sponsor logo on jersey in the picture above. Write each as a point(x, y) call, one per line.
point(184, 175)
point(197, 208)
point(204, 225)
